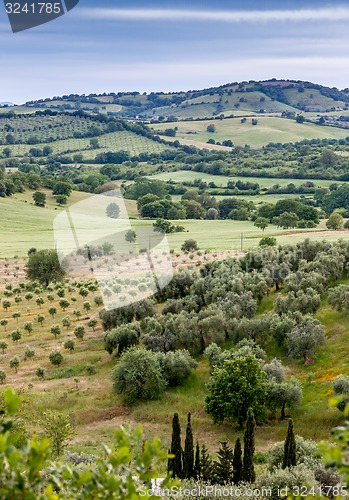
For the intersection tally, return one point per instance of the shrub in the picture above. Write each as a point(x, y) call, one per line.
point(305, 448)
point(40, 373)
point(299, 476)
point(69, 345)
point(189, 246)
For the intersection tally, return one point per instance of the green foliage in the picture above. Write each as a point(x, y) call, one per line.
point(290, 455)
point(335, 221)
point(58, 429)
point(112, 476)
point(3, 346)
point(16, 335)
point(55, 330)
point(341, 391)
point(262, 223)
point(248, 472)
point(44, 266)
point(14, 363)
point(305, 338)
point(2, 377)
point(267, 241)
point(69, 345)
point(188, 454)
point(237, 462)
point(39, 199)
point(189, 246)
point(79, 332)
point(239, 385)
point(206, 465)
point(176, 366)
point(223, 467)
point(40, 373)
point(56, 358)
point(175, 467)
point(138, 376)
point(122, 338)
point(305, 450)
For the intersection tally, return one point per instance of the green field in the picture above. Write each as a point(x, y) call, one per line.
point(311, 100)
point(269, 129)
point(222, 180)
point(24, 226)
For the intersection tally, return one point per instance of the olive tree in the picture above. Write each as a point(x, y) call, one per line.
point(138, 376)
point(305, 338)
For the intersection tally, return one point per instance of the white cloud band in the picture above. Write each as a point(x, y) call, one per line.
point(230, 16)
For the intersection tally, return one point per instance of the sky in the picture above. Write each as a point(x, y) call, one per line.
point(118, 45)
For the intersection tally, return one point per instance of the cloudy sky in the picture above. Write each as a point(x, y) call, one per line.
point(119, 45)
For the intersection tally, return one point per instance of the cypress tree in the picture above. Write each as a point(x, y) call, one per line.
point(237, 462)
point(248, 472)
point(188, 456)
point(206, 465)
point(197, 465)
point(223, 468)
point(175, 464)
point(290, 458)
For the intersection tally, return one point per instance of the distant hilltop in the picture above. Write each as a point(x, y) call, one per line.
point(7, 104)
point(271, 96)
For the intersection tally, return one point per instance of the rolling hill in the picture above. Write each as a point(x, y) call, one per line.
point(273, 96)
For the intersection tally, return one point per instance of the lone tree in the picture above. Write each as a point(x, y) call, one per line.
point(290, 458)
point(44, 267)
point(248, 472)
point(188, 456)
point(39, 199)
point(237, 462)
point(175, 463)
point(236, 387)
point(113, 211)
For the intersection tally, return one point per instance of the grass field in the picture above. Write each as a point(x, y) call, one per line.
point(311, 99)
point(269, 129)
point(23, 225)
point(222, 180)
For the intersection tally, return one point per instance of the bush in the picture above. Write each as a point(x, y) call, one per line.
point(305, 449)
point(267, 241)
point(138, 376)
point(299, 476)
point(189, 246)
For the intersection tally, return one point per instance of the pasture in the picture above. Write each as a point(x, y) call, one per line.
point(269, 129)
